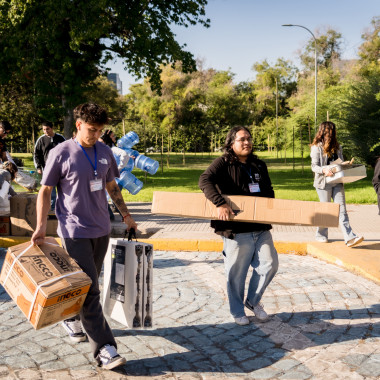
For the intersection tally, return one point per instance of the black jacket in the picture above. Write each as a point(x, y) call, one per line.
point(223, 177)
point(376, 181)
point(43, 146)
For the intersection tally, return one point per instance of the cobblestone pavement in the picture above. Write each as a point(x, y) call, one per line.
point(325, 324)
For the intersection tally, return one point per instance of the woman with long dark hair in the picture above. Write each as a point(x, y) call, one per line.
point(324, 150)
point(240, 172)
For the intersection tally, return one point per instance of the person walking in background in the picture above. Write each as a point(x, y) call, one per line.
point(325, 149)
point(376, 181)
point(239, 172)
point(43, 146)
point(121, 157)
point(82, 169)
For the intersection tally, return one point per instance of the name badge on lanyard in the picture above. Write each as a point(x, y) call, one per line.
point(254, 187)
point(95, 184)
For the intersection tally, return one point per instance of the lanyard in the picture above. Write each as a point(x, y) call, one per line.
point(94, 166)
point(248, 172)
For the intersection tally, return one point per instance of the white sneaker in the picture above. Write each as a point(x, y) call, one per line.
point(258, 310)
point(74, 329)
point(242, 321)
point(108, 357)
point(321, 239)
point(355, 241)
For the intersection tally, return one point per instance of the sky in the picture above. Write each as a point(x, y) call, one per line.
point(243, 32)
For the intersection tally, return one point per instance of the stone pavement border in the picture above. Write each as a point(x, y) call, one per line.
point(184, 234)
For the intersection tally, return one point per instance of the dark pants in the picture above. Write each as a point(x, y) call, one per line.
point(89, 254)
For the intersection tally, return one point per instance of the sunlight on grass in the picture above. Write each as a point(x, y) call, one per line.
point(287, 183)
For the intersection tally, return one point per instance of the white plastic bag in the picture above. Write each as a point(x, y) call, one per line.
point(25, 180)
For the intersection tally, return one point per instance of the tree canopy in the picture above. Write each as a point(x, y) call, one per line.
point(59, 47)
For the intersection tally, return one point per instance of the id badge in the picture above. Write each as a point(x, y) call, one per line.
point(254, 187)
point(96, 185)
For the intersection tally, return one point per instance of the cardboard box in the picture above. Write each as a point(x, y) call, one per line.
point(24, 216)
point(346, 173)
point(128, 283)
point(45, 282)
point(5, 226)
point(249, 209)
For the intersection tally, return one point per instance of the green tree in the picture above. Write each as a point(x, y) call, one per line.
point(328, 50)
point(59, 47)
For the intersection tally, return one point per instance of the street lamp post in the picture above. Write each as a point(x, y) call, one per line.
point(315, 69)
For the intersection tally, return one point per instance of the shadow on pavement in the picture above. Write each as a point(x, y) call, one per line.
point(168, 263)
point(228, 348)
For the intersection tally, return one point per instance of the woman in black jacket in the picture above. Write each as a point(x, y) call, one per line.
point(239, 172)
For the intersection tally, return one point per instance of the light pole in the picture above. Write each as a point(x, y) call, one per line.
point(315, 69)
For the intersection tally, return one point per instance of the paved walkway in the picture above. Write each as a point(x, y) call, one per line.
point(325, 324)
point(325, 320)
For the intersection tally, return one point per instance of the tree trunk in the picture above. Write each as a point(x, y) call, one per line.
point(68, 119)
point(184, 153)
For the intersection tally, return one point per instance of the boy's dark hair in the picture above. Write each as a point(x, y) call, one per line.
point(229, 153)
point(91, 113)
point(5, 125)
point(47, 124)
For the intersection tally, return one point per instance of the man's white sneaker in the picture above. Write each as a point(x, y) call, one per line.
point(258, 310)
point(242, 321)
point(355, 241)
point(321, 239)
point(108, 357)
point(74, 329)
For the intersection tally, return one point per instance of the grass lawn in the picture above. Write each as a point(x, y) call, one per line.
point(288, 183)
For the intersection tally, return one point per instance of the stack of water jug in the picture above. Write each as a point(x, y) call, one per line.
point(127, 179)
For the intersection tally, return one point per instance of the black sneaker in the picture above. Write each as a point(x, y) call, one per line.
point(74, 329)
point(108, 357)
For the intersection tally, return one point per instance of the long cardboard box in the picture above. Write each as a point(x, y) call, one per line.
point(24, 216)
point(44, 281)
point(248, 209)
point(128, 283)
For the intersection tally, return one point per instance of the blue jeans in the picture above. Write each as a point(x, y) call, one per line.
point(336, 193)
point(253, 249)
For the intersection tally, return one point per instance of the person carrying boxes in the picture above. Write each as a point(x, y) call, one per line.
point(324, 150)
point(82, 169)
point(239, 172)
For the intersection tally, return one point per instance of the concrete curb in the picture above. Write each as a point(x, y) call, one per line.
point(363, 260)
point(180, 245)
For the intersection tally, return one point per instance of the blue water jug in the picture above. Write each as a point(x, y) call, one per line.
point(128, 140)
point(147, 164)
point(129, 167)
point(130, 182)
point(131, 152)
